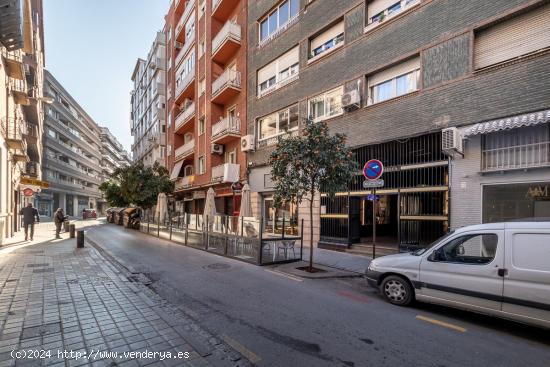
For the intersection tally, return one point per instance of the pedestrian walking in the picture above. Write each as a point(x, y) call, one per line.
point(29, 215)
point(59, 218)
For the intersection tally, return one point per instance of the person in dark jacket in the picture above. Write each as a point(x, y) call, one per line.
point(58, 218)
point(29, 214)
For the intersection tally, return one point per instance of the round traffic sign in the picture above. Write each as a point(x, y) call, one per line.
point(373, 169)
point(28, 192)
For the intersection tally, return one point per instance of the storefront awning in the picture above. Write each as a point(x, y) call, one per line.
point(513, 122)
point(176, 170)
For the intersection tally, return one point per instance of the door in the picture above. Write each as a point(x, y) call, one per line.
point(465, 270)
point(527, 282)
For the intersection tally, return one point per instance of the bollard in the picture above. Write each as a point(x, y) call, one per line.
point(66, 226)
point(80, 238)
point(72, 229)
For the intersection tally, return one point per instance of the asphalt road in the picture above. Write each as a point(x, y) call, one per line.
point(283, 321)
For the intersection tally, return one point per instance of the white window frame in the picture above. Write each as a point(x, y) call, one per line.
point(326, 106)
point(280, 27)
point(276, 81)
point(277, 123)
point(337, 42)
point(373, 89)
point(385, 15)
point(202, 125)
point(201, 164)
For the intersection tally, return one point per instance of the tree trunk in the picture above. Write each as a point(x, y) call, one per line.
point(311, 233)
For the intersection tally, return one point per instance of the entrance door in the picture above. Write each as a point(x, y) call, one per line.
point(527, 284)
point(464, 270)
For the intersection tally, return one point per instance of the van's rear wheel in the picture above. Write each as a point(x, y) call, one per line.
point(396, 290)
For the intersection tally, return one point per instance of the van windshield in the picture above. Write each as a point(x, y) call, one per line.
point(423, 250)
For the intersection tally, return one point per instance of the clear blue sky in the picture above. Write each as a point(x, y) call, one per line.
point(92, 47)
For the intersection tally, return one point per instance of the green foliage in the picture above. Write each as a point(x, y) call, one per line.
point(111, 191)
point(138, 185)
point(312, 162)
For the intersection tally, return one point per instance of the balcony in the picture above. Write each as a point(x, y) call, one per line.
point(226, 42)
point(183, 52)
point(13, 131)
point(14, 65)
point(20, 92)
point(31, 169)
point(31, 133)
point(185, 116)
point(180, 27)
point(225, 130)
point(227, 172)
point(184, 182)
point(186, 150)
point(534, 155)
point(221, 9)
point(226, 86)
point(186, 87)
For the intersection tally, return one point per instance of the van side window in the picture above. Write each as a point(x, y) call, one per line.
point(476, 249)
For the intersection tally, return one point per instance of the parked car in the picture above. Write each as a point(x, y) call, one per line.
point(499, 269)
point(89, 213)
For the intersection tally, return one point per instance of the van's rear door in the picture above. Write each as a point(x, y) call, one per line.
point(527, 282)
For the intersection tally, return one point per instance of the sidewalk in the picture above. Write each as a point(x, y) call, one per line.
point(73, 307)
point(338, 260)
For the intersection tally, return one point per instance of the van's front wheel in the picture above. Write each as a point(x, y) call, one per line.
point(396, 290)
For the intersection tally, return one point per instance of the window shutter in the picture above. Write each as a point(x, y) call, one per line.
point(377, 6)
point(288, 59)
point(267, 72)
point(518, 36)
point(327, 35)
point(394, 71)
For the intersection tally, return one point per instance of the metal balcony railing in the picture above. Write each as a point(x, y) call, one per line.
point(185, 149)
point(229, 78)
point(13, 130)
point(184, 115)
point(279, 30)
point(274, 139)
point(516, 157)
point(229, 30)
point(226, 126)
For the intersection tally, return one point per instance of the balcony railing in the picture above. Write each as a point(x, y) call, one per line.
point(279, 30)
point(13, 130)
point(184, 182)
point(516, 157)
point(185, 115)
point(274, 139)
point(226, 126)
point(229, 78)
point(227, 172)
point(185, 82)
point(31, 169)
point(186, 46)
point(229, 31)
point(185, 150)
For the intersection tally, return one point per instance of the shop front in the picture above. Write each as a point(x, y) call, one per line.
point(506, 202)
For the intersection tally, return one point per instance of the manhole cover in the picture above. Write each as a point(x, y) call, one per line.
point(217, 266)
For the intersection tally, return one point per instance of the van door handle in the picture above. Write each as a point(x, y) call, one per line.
point(502, 272)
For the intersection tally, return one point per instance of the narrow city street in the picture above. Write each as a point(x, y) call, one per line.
point(279, 320)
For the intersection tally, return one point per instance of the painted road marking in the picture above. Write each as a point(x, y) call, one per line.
point(253, 358)
point(354, 296)
point(441, 323)
point(295, 278)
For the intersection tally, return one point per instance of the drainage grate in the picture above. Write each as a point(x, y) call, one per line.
point(217, 266)
point(36, 331)
point(43, 270)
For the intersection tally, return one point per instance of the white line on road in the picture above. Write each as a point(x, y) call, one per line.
point(285, 275)
point(441, 323)
point(253, 358)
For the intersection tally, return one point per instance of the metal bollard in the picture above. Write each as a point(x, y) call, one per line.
point(80, 238)
point(72, 229)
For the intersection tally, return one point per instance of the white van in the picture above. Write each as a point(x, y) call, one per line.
point(500, 269)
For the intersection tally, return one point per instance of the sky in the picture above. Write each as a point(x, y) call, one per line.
point(92, 47)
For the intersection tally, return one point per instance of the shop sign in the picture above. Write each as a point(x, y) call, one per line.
point(199, 194)
point(28, 192)
point(538, 192)
point(33, 182)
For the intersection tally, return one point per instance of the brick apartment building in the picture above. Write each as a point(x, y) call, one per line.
point(449, 95)
point(206, 100)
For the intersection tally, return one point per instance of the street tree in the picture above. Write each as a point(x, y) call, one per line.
point(111, 191)
point(139, 185)
point(315, 161)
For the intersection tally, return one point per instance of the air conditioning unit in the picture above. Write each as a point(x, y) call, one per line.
point(178, 45)
point(351, 99)
point(217, 148)
point(247, 143)
point(451, 141)
point(152, 65)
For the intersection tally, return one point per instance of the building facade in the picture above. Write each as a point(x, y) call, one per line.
point(113, 156)
point(206, 100)
point(393, 75)
point(21, 117)
point(148, 100)
point(72, 155)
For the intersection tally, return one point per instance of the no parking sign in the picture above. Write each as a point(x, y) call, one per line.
point(373, 169)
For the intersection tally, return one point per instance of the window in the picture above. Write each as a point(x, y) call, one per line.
point(231, 157)
point(202, 8)
point(326, 105)
point(381, 10)
point(521, 35)
point(279, 19)
point(278, 123)
point(279, 72)
point(501, 203)
point(202, 48)
point(273, 217)
point(394, 82)
point(202, 127)
point(473, 249)
point(328, 40)
point(202, 86)
point(202, 165)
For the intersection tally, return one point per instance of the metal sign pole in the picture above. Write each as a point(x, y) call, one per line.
point(373, 223)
